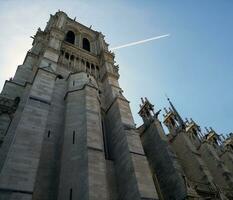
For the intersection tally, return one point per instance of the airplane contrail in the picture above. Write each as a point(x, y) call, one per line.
point(140, 41)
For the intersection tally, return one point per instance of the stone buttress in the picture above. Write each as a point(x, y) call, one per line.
point(168, 175)
point(195, 169)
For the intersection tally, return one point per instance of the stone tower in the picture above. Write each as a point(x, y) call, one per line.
point(67, 132)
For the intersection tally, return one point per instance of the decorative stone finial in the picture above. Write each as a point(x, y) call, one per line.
point(142, 100)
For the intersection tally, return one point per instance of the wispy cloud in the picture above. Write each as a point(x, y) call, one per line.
point(140, 42)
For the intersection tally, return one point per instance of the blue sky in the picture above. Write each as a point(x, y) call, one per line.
point(194, 66)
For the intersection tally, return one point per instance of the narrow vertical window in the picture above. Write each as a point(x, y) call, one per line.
point(88, 67)
point(73, 83)
point(106, 146)
point(71, 194)
point(48, 133)
point(73, 137)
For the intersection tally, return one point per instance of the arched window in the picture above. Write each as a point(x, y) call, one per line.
point(70, 37)
point(86, 44)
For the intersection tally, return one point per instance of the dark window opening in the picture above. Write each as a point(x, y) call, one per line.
point(98, 75)
point(73, 83)
point(92, 69)
point(215, 141)
point(88, 65)
point(107, 152)
point(73, 137)
point(194, 131)
point(49, 134)
point(67, 55)
point(59, 76)
point(231, 146)
point(72, 57)
point(71, 194)
point(70, 37)
point(86, 44)
point(173, 122)
point(62, 52)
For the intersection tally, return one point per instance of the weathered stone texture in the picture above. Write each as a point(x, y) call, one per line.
point(20, 167)
point(68, 133)
point(163, 162)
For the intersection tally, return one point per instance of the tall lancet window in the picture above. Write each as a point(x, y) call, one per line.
point(70, 37)
point(86, 44)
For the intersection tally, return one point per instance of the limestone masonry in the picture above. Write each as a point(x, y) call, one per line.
point(67, 132)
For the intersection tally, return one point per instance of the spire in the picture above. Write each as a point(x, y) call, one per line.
point(179, 119)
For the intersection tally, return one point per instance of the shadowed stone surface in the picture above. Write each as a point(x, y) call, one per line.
point(67, 131)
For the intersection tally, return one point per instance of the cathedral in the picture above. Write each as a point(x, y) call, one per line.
point(67, 131)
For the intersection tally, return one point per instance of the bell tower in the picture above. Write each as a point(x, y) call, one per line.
point(72, 135)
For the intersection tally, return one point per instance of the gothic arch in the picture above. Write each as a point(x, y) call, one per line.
point(86, 44)
point(70, 37)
